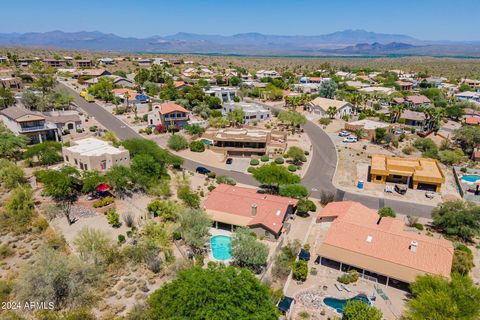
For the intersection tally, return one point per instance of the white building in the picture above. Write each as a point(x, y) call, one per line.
point(95, 154)
point(252, 111)
point(160, 61)
point(267, 74)
point(225, 94)
point(106, 61)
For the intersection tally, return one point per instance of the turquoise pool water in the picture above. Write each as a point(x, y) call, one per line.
point(206, 141)
point(471, 178)
point(221, 246)
point(339, 304)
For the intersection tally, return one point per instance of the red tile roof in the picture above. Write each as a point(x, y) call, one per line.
point(472, 120)
point(389, 242)
point(169, 107)
point(271, 210)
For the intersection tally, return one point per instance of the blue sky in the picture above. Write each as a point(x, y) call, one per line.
point(423, 19)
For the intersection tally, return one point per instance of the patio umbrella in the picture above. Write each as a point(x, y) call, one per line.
point(103, 187)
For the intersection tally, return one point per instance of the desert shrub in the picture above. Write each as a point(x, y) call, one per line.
point(419, 226)
point(408, 149)
point(325, 121)
point(177, 142)
point(121, 238)
point(103, 202)
point(254, 162)
point(113, 218)
point(129, 219)
point(326, 197)
point(197, 146)
point(264, 158)
point(293, 191)
point(226, 180)
point(211, 188)
point(386, 212)
point(279, 160)
point(300, 270)
point(250, 169)
point(292, 168)
point(190, 198)
point(5, 251)
point(211, 175)
point(462, 260)
point(304, 206)
point(306, 152)
point(350, 277)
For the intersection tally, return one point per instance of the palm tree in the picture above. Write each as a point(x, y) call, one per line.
point(331, 112)
point(116, 102)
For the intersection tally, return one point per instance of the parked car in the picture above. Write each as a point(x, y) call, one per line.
point(401, 189)
point(344, 133)
point(202, 170)
point(430, 194)
point(350, 139)
point(229, 161)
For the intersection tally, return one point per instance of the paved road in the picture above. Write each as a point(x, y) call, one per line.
point(317, 178)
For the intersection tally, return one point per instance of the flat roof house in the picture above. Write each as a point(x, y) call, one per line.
point(320, 106)
point(246, 141)
point(55, 63)
point(168, 114)
point(379, 248)
point(11, 83)
point(252, 112)
point(83, 63)
point(231, 206)
point(368, 126)
point(95, 154)
point(225, 94)
point(421, 173)
point(267, 74)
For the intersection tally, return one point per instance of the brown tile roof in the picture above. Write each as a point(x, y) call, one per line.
point(357, 232)
point(417, 99)
point(17, 113)
point(238, 201)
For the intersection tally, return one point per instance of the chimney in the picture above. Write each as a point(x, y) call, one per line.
point(254, 209)
point(413, 246)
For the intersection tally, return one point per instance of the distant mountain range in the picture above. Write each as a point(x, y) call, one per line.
point(348, 42)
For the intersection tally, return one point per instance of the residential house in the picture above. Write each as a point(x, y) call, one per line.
point(26, 62)
point(132, 96)
point(168, 114)
point(380, 249)
point(357, 84)
point(14, 84)
point(345, 75)
point(267, 74)
point(320, 106)
point(413, 101)
point(91, 73)
point(3, 59)
point(144, 61)
point(160, 61)
point(475, 84)
point(253, 112)
point(65, 121)
point(232, 206)
point(404, 85)
point(106, 61)
point(246, 141)
point(311, 80)
point(421, 173)
point(55, 63)
point(95, 154)
point(368, 127)
point(468, 96)
point(83, 63)
point(414, 119)
point(225, 94)
point(33, 125)
point(472, 120)
point(377, 90)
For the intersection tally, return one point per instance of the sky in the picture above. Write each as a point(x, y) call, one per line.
point(423, 19)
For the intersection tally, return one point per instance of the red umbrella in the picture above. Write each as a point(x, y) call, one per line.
point(103, 187)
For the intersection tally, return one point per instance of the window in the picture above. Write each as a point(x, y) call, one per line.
point(378, 178)
point(76, 162)
point(66, 158)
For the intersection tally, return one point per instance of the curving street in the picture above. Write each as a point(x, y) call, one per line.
point(317, 178)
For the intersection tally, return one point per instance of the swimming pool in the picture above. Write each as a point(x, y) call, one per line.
point(221, 247)
point(207, 142)
point(472, 178)
point(339, 304)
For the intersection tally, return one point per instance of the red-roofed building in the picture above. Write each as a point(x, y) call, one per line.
point(380, 249)
point(472, 120)
point(232, 206)
point(168, 114)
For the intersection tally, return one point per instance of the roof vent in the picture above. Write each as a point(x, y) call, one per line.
point(413, 246)
point(254, 210)
point(278, 213)
point(369, 239)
